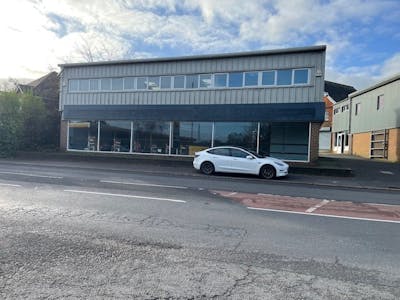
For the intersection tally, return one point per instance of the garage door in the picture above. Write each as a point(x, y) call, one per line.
point(325, 141)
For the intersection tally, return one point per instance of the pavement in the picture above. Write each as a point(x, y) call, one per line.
point(329, 170)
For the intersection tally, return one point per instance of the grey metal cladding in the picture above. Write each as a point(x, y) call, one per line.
point(315, 60)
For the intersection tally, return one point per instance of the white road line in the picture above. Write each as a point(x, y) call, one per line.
point(387, 172)
point(31, 175)
point(126, 196)
point(144, 184)
point(231, 194)
point(312, 208)
point(9, 184)
point(323, 215)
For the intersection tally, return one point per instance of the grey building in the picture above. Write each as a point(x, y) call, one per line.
point(367, 123)
point(267, 101)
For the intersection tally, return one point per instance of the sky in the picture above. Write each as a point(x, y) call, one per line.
point(362, 36)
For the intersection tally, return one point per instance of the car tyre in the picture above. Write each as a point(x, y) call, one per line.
point(207, 168)
point(268, 172)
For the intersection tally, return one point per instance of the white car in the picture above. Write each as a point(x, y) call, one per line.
point(238, 160)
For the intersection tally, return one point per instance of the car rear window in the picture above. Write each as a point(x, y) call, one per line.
point(220, 151)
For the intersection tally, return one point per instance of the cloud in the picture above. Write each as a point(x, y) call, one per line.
point(43, 33)
point(362, 77)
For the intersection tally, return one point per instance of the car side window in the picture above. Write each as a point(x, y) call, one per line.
point(238, 153)
point(220, 151)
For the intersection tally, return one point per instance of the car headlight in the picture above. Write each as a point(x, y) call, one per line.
point(280, 164)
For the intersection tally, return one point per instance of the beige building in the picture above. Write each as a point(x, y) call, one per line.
point(367, 123)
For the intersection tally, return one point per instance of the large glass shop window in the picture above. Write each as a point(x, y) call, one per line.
point(241, 134)
point(150, 137)
point(190, 137)
point(83, 135)
point(115, 136)
point(289, 141)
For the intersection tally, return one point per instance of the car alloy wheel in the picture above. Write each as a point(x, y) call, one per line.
point(207, 168)
point(268, 172)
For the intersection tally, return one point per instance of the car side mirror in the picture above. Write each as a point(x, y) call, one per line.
point(249, 157)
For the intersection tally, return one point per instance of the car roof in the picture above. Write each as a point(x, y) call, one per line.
point(232, 147)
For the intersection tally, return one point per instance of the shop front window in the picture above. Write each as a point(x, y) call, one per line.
point(190, 137)
point(150, 137)
point(289, 141)
point(115, 136)
point(240, 134)
point(83, 135)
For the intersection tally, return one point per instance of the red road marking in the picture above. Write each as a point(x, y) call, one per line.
point(312, 206)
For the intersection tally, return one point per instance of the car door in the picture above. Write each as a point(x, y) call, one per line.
point(221, 159)
point(241, 164)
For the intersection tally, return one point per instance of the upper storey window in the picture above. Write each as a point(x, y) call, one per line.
point(153, 83)
point(236, 79)
point(268, 78)
point(284, 77)
point(252, 79)
point(301, 76)
point(179, 82)
point(220, 80)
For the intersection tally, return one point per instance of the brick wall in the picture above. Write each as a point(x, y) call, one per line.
point(63, 135)
point(361, 144)
point(394, 145)
point(314, 141)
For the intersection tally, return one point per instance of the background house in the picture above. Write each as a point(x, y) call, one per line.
point(367, 123)
point(47, 88)
point(334, 92)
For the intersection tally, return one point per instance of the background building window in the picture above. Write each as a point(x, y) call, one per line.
point(379, 102)
point(327, 116)
point(357, 109)
point(236, 79)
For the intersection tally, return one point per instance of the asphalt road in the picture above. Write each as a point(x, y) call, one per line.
point(83, 231)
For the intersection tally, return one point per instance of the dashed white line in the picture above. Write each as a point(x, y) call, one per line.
point(31, 175)
point(125, 196)
point(323, 215)
point(322, 203)
point(9, 184)
point(144, 184)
